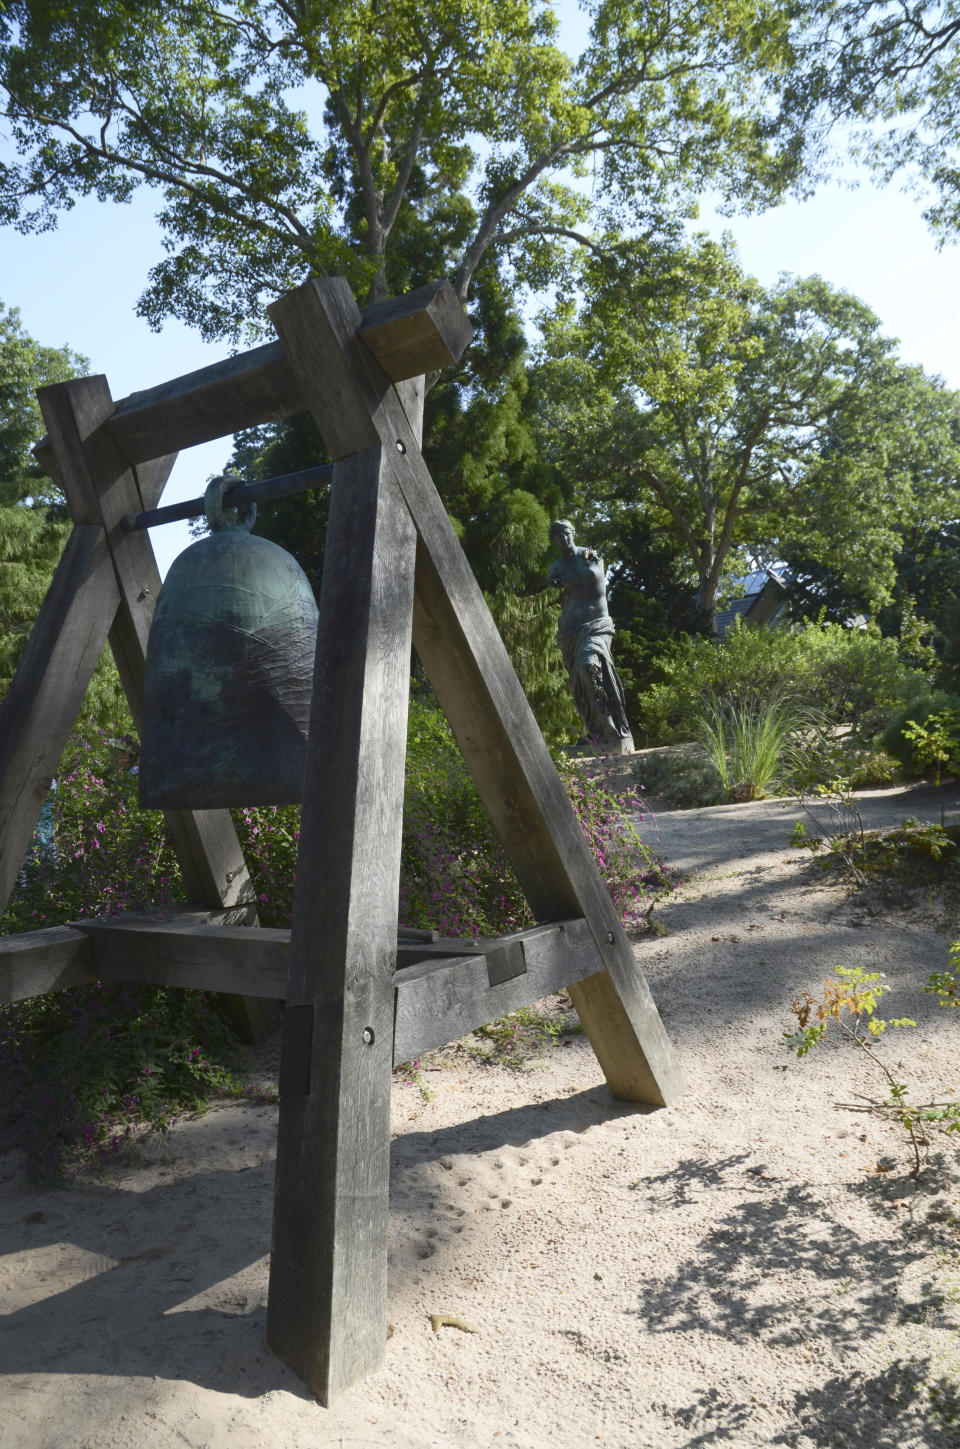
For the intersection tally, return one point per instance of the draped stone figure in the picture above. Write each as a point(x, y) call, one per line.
point(584, 632)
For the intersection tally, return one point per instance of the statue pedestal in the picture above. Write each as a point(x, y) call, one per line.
point(600, 747)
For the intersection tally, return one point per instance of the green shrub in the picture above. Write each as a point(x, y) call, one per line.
point(857, 676)
point(871, 769)
point(455, 876)
point(851, 676)
point(909, 751)
point(82, 1072)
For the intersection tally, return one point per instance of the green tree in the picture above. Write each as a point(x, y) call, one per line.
point(745, 421)
point(390, 143)
point(33, 525)
point(890, 72)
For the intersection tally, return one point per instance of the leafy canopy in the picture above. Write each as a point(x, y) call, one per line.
point(890, 72)
point(741, 418)
point(388, 142)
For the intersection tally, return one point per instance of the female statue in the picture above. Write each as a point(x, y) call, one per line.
point(584, 633)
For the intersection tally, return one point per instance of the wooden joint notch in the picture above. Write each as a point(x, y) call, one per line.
point(506, 961)
point(421, 332)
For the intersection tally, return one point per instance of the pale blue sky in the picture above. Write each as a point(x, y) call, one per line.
point(79, 285)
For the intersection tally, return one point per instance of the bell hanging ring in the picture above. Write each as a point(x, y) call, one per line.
point(229, 672)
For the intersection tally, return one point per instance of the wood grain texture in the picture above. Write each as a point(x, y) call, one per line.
point(240, 392)
point(45, 695)
point(36, 962)
point(442, 998)
point(470, 671)
point(101, 487)
point(236, 960)
point(423, 331)
point(326, 1314)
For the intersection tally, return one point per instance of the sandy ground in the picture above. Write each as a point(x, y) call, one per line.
point(753, 1266)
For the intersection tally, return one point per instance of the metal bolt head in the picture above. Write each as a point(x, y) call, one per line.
point(401, 446)
point(610, 938)
point(368, 1036)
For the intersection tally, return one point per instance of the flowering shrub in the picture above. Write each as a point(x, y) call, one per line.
point(633, 874)
point(84, 1071)
point(270, 837)
point(106, 854)
point(455, 875)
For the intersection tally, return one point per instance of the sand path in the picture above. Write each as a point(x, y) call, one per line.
point(733, 1271)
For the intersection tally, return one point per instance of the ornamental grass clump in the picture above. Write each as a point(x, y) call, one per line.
point(752, 743)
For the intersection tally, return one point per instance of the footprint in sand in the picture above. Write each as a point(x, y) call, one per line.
point(498, 1181)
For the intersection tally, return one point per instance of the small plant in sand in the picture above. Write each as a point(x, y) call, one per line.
point(837, 824)
point(847, 1012)
point(511, 1041)
point(936, 746)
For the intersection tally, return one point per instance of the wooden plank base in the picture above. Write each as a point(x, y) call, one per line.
point(442, 990)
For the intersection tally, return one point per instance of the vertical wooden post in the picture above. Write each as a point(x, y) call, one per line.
point(327, 1305)
point(463, 655)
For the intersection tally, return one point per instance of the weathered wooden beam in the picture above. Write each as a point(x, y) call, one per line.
point(326, 1313)
point(469, 668)
point(440, 999)
point(36, 962)
point(423, 331)
point(101, 487)
point(416, 333)
point(442, 990)
point(45, 695)
point(236, 960)
point(240, 392)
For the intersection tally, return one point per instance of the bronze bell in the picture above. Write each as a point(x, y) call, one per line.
point(229, 674)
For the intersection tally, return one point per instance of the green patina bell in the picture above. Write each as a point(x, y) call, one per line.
point(229, 673)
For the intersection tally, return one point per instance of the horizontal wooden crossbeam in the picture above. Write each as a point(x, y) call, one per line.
point(442, 989)
point(441, 998)
point(38, 961)
point(418, 333)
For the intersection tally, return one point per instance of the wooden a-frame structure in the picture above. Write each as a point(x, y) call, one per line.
point(394, 574)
